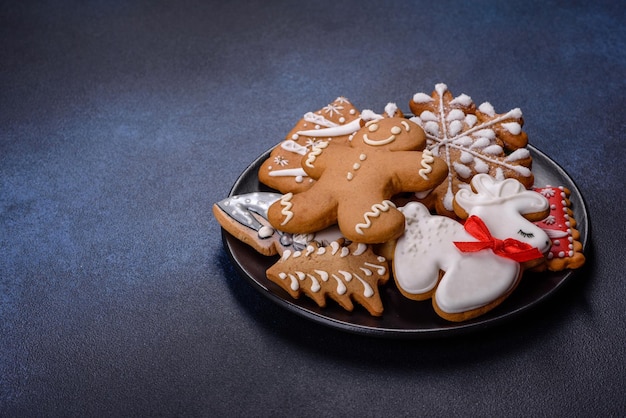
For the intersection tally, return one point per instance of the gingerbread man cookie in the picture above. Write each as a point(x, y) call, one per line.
point(354, 184)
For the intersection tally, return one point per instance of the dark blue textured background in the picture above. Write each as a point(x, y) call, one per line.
point(121, 123)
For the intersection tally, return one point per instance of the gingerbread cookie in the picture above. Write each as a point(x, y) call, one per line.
point(245, 217)
point(471, 140)
point(560, 225)
point(354, 184)
point(342, 273)
point(470, 269)
point(333, 123)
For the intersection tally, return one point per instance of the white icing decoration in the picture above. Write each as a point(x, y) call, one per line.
point(455, 127)
point(368, 115)
point(293, 146)
point(427, 160)
point(487, 109)
point(338, 130)
point(294, 282)
point(323, 274)
point(360, 249)
point(428, 116)
point(391, 109)
point(375, 212)
point(368, 292)
point(471, 120)
point(466, 157)
point(266, 232)
point(518, 154)
point(422, 98)
point(281, 161)
point(347, 276)
point(462, 170)
point(380, 270)
point(432, 128)
point(288, 172)
point(315, 285)
point(455, 114)
point(493, 150)
point(286, 210)
point(341, 288)
point(317, 150)
point(480, 166)
point(513, 127)
point(318, 120)
point(463, 100)
point(366, 271)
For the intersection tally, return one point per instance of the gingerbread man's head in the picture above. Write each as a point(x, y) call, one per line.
point(391, 134)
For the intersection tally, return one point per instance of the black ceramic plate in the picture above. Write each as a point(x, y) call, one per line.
point(403, 317)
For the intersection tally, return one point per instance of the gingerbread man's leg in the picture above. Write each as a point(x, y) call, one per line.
point(374, 223)
point(303, 213)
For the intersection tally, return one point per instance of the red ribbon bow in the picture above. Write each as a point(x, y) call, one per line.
point(509, 248)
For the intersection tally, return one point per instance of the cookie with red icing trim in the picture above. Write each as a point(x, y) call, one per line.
point(354, 184)
point(560, 225)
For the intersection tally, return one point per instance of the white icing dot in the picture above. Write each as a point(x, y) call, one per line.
point(422, 98)
point(487, 109)
point(463, 100)
point(342, 119)
point(513, 127)
point(266, 232)
point(428, 116)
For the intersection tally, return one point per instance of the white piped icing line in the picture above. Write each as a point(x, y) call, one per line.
point(285, 202)
point(376, 211)
point(427, 160)
point(317, 150)
point(334, 131)
point(318, 120)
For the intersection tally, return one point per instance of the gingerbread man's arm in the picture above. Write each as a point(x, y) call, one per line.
point(418, 171)
point(316, 161)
